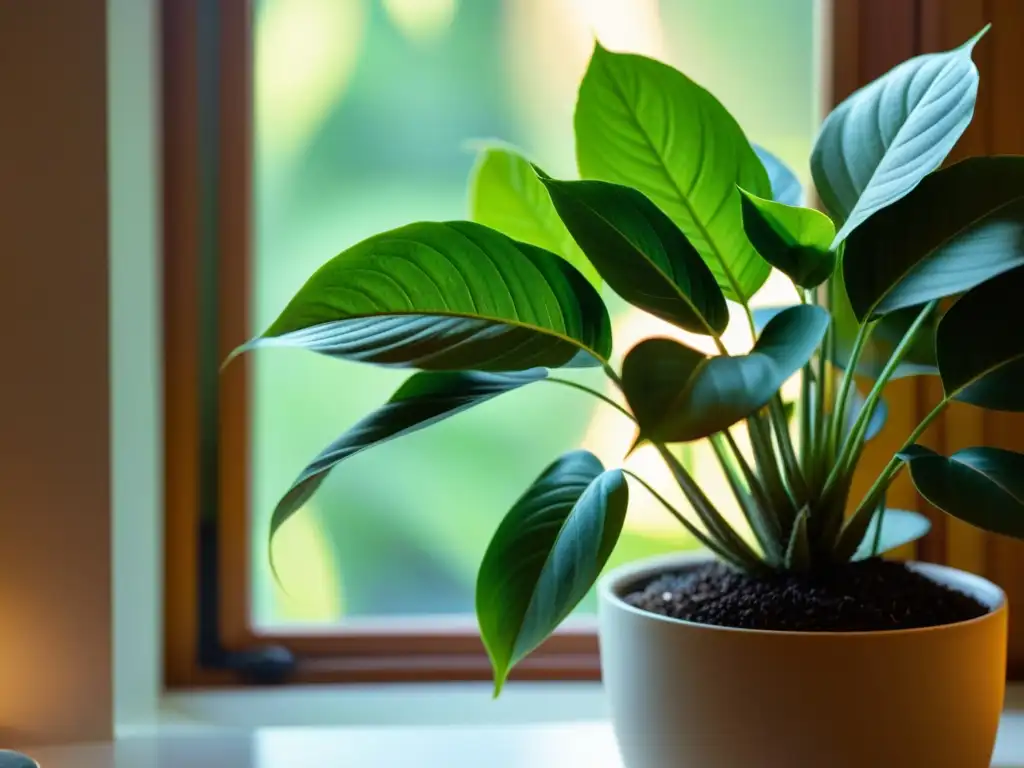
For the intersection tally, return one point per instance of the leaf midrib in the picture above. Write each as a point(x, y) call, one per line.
point(686, 299)
point(679, 192)
point(435, 313)
point(954, 460)
point(932, 251)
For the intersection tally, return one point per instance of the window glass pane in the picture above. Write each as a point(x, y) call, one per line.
point(365, 112)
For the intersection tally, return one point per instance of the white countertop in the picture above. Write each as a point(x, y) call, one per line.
point(586, 745)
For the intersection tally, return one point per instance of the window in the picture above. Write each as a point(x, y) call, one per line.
point(297, 127)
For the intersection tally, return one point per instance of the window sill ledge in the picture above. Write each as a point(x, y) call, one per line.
point(180, 739)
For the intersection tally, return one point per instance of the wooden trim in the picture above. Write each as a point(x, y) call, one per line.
point(181, 332)
point(233, 295)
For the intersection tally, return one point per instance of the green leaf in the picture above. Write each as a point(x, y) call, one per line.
point(793, 240)
point(546, 555)
point(643, 124)
point(641, 253)
point(446, 296)
point(980, 344)
point(961, 226)
point(424, 399)
point(678, 394)
point(785, 185)
point(877, 145)
point(981, 486)
point(899, 527)
point(505, 194)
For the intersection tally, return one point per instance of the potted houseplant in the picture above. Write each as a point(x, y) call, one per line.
point(792, 643)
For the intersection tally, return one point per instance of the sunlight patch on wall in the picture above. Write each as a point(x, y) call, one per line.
point(309, 589)
point(422, 20)
point(306, 53)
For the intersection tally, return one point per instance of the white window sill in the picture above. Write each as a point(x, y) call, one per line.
point(451, 726)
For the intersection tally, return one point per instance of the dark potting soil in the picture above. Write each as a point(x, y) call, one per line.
point(869, 595)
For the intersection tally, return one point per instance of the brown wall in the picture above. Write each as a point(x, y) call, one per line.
point(55, 596)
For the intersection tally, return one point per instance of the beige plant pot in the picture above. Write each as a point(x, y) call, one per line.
point(686, 695)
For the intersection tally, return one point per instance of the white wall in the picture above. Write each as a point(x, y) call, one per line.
point(135, 342)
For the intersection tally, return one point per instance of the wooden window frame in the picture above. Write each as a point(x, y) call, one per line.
point(207, 182)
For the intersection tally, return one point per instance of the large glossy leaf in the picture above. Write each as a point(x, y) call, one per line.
point(878, 144)
point(679, 394)
point(644, 257)
point(961, 226)
point(980, 343)
point(546, 555)
point(643, 124)
point(784, 183)
point(505, 194)
point(447, 296)
point(981, 486)
point(899, 527)
point(425, 398)
point(794, 240)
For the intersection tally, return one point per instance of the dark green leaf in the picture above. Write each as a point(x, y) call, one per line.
point(981, 486)
point(980, 345)
point(447, 296)
point(784, 183)
point(961, 226)
point(793, 240)
point(546, 555)
point(899, 527)
point(643, 124)
point(425, 398)
point(679, 394)
point(641, 253)
point(505, 194)
point(878, 144)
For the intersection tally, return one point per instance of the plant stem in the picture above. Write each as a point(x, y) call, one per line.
point(794, 475)
point(860, 426)
point(593, 392)
point(836, 432)
point(753, 502)
point(861, 517)
point(690, 527)
point(716, 525)
point(806, 425)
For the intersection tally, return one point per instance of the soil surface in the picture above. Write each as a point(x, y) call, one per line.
point(865, 596)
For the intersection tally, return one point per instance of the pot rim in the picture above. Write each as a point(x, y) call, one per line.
point(983, 590)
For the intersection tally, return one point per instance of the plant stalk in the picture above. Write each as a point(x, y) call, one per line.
point(860, 426)
point(794, 475)
point(836, 432)
point(690, 527)
point(752, 499)
point(861, 517)
point(594, 393)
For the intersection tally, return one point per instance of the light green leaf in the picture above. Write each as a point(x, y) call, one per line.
point(899, 527)
point(546, 555)
point(679, 394)
point(447, 296)
point(981, 486)
point(878, 144)
point(794, 240)
point(641, 253)
point(784, 183)
point(961, 226)
point(980, 344)
point(505, 194)
point(424, 399)
point(643, 124)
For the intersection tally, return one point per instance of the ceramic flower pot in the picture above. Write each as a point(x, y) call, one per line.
point(687, 695)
